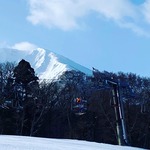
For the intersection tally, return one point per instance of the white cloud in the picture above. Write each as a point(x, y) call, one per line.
point(24, 46)
point(114, 9)
point(135, 28)
point(65, 14)
point(59, 13)
point(146, 11)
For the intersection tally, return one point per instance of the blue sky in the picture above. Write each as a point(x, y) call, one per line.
point(111, 35)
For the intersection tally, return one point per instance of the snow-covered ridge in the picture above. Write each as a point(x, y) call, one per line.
point(47, 64)
point(39, 59)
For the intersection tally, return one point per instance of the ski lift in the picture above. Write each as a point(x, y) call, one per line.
point(79, 106)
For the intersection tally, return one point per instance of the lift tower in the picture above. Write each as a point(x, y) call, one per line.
point(119, 112)
point(115, 85)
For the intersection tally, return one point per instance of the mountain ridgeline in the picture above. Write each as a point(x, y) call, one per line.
point(47, 64)
point(78, 104)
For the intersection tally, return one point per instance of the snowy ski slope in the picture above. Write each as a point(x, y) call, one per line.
point(33, 143)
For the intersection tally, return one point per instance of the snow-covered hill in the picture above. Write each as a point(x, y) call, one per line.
point(47, 64)
point(32, 143)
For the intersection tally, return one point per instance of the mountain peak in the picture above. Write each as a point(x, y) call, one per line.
point(47, 64)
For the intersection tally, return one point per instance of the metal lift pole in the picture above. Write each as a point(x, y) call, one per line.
point(119, 113)
point(122, 117)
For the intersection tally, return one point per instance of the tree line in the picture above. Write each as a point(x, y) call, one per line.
point(31, 107)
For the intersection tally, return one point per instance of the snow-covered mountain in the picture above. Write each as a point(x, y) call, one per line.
point(47, 64)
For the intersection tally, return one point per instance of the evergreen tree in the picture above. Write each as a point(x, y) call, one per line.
point(25, 89)
point(24, 73)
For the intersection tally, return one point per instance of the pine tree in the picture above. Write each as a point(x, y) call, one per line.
point(24, 73)
point(26, 86)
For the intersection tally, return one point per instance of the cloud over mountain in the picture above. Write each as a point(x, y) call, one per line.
point(24, 46)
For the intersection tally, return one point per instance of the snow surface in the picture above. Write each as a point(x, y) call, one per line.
point(47, 64)
point(32, 143)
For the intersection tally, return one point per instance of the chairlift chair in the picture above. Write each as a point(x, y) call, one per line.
point(79, 106)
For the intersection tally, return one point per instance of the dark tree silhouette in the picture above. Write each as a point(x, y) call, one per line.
point(24, 73)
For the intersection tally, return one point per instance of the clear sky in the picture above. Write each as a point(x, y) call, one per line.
point(111, 35)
